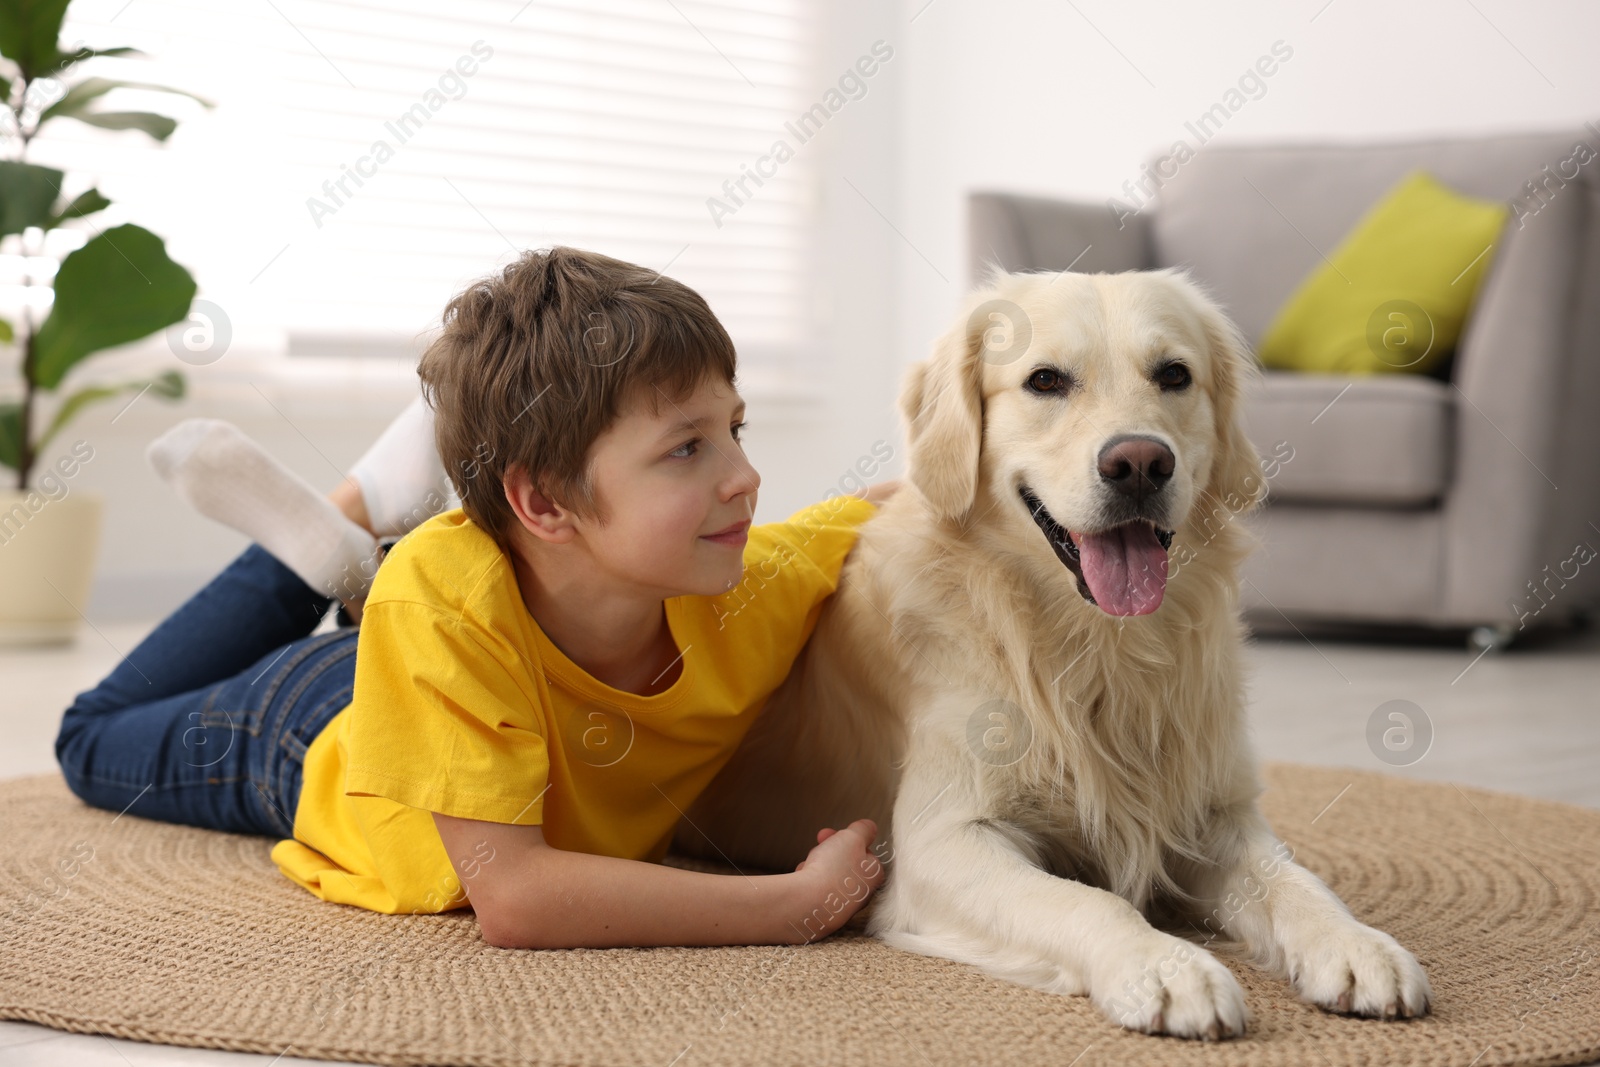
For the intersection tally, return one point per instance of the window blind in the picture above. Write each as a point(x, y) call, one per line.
point(368, 158)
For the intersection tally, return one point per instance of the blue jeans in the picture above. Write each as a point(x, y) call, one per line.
point(207, 721)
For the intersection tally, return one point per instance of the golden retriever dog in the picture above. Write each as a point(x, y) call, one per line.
point(1031, 672)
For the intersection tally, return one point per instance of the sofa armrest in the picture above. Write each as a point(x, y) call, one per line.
point(1023, 233)
point(1527, 378)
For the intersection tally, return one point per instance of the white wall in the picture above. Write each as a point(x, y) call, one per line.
point(1070, 98)
point(1053, 98)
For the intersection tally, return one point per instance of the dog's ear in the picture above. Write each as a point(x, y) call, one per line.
point(1236, 481)
point(941, 401)
point(1236, 478)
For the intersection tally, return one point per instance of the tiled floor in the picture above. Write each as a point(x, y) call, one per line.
point(1524, 721)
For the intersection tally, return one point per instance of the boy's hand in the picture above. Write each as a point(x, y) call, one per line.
point(877, 494)
point(841, 875)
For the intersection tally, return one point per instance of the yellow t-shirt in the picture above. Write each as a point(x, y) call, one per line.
point(463, 706)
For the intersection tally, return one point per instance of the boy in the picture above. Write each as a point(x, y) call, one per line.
point(547, 676)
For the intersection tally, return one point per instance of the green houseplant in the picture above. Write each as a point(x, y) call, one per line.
point(118, 287)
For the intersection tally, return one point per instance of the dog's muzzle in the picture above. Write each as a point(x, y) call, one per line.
point(1122, 569)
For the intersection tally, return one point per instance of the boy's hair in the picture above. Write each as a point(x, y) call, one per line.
point(536, 362)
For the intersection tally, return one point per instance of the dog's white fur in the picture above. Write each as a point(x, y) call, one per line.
point(1126, 789)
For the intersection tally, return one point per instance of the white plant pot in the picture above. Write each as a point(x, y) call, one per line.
point(47, 557)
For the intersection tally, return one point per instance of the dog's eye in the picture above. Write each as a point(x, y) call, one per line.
point(1045, 380)
point(1173, 376)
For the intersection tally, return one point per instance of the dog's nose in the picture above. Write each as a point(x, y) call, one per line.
point(1136, 465)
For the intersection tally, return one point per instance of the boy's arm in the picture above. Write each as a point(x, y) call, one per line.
point(528, 894)
point(878, 492)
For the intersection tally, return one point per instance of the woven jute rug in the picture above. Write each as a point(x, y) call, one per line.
point(162, 933)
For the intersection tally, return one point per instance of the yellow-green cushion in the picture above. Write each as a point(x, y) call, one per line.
point(1394, 294)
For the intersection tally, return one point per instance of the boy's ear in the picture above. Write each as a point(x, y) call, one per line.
point(535, 511)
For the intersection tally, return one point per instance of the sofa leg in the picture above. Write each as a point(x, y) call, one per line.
point(1495, 637)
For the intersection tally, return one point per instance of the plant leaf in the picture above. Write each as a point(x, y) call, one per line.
point(29, 30)
point(158, 126)
point(71, 59)
point(10, 434)
point(86, 92)
point(27, 193)
point(85, 203)
point(117, 288)
point(7, 334)
point(168, 384)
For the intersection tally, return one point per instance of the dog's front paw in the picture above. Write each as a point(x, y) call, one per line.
point(1172, 986)
point(1351, 968)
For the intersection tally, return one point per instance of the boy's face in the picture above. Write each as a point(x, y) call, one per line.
point(668, 486)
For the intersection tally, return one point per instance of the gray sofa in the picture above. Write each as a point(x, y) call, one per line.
point(1466, 500)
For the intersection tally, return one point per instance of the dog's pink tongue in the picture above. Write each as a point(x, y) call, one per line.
point(1125, 567)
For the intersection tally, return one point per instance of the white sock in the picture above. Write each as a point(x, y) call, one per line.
point(402, 481)
point(228, 477)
